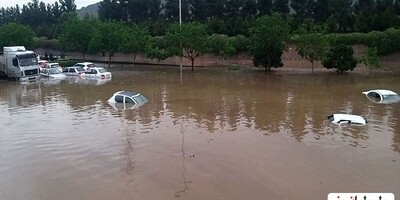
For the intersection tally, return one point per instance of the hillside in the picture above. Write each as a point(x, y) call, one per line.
point(91, 10)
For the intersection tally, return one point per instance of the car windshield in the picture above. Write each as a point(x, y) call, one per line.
point(102, 70)
point(53, 71)
point(140, 99)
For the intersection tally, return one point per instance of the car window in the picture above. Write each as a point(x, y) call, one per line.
point(374, 95)
point(129, 100)
point(53, 71)
point(119, 99)
point(91, 65)
point(80, 69)
point(65, 70)
point(102, 70)
point(94, 71)
point(71, 70)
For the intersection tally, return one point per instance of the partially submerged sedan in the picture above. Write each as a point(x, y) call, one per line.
point(123, 100)
point(52, 73)
point(347, 119)
point(54, 65)
point(97, 72)
point(382, 96)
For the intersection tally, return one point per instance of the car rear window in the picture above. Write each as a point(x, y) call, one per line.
point(91, 65)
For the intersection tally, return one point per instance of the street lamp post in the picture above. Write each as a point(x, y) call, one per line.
point(180, 24)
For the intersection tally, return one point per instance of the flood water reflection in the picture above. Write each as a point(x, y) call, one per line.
point(215, 134)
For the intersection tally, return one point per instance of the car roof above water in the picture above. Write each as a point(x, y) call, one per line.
point(128, 93)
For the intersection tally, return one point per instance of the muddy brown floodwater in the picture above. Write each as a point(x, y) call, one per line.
point(214, 134)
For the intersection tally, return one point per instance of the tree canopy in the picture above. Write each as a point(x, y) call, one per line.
point(340, 58)
point(268, 40)
point(16, 34)
point(188, 40)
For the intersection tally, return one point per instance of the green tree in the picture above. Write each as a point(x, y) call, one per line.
point(371, 58)
point(188, 40)
point(77, 35)
point(13, 34)
point(111, 10)
point(134, 40)
point(68, 5)
point(264, 7)
point(340, 58)
point(156, 49)
point(228, 51)
point(106, 39)
point(171, 10)
point(268, 40)
point(281, 6)
point(312, 46)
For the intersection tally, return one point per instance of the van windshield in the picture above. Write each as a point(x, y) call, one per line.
point(27, 61)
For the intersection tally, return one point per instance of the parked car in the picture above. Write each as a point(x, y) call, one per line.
point(382, 96)
point(54, 65)
point(97, 72)
point(85, 65)
point(86, 81)
point(42, 64)
point(73, 71)
point(52, 73)
point(347, 119)
point(123, 100)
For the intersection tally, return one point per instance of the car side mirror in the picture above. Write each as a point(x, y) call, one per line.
point(15, 62)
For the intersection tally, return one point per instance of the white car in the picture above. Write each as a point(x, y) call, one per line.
point(52, 73)
point(382, 96)
point(42, 64)
point(97, 72)
point(85, 65)
point(347, 119)
point(54, 65)
point(73, 71)
point(123, 100)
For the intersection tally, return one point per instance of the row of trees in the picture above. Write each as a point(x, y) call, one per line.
point(230, 17)
point(266, 42)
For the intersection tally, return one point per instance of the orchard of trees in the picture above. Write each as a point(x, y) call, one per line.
point(263, 28)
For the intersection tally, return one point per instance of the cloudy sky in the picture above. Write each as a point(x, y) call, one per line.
point(79, 3)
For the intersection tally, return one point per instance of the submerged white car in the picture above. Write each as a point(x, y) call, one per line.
point(123, 100)
point(85, 65)
point(97, 72)
point(52, 73)
point(347, 119)
point(54, 65)
point(382, 96)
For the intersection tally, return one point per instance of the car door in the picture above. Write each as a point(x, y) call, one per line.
point(93, 73)
point(65, 71)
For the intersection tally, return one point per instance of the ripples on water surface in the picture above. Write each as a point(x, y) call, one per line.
point(214, 134)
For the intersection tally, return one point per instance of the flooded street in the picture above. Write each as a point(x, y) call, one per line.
point(214, 134)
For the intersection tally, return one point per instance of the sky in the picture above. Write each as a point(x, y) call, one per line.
point(13, 3)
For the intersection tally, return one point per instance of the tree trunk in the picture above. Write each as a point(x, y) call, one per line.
point(84, 56)
point(192, 64)
point(312, 67)
point(134, 59)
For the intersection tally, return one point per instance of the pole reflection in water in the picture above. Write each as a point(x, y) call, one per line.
point(129, 150)
point(180, 192)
